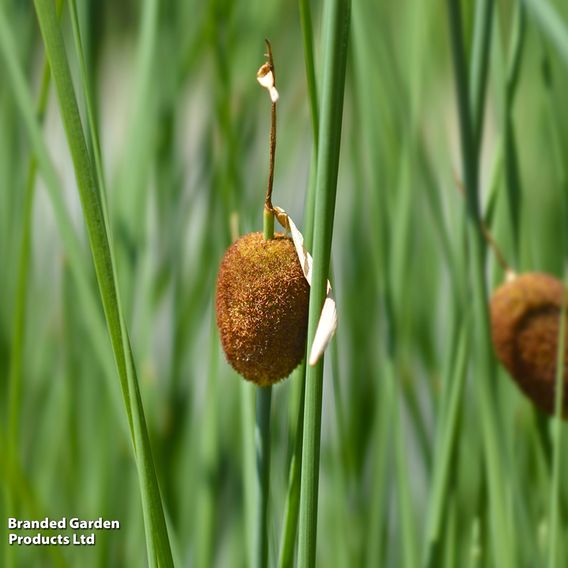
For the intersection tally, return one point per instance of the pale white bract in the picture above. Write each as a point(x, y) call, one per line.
point(265, 77)
point(327, 323)
point(328, 319)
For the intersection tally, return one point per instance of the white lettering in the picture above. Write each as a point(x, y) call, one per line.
point(98, 524)
point(84, 540)
point(61, 524)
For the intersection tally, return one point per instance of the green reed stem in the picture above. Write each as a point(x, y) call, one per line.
point(157, 541)
point(268, 225)
point(15, 377)
point(337, 14)
point(503, 547)
point(292, 508)
point(441, 486)
point(263, 403)
point(308, 43)
point(554, 556)
point(264, 394)
point(69, 235)
point(555, 29)
point(262, 436)
point(484, 10)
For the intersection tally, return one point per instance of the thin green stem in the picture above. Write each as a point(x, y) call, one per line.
point(264, 394)
point(476, 552)
point(512, 175)
point(15, 378)
point(16, 481)
point(503, 548)
point(484, 10)
point(268, 224)
point(335, 59)
point(308, 43)
point(88, 93)
point(554, 555)
point(382, 447)
point(407, 518)
point(69, 235)
point(209, 456)
point(448, 436)
point(448, 425)
point(142, 123)
point(292, 508)
point(263, 403)
point(158, 546)
point(247, 400)
point(551, 23)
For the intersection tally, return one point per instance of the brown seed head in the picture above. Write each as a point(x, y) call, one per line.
point(525, 319)
point(262, 308)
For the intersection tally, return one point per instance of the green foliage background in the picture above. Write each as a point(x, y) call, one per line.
point(430, 455)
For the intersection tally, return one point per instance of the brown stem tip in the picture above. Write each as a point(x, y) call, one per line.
point(266, 76)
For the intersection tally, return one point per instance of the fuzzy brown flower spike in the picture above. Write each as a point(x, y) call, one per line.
point(525, 319)
point(262, 308)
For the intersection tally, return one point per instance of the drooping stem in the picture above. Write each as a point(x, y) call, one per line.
point(268, 200)
point(489, 239)
point(267, 79)
point(496, 250)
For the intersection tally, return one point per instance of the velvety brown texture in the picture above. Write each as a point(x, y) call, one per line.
point(525, 318)
point(262, 308)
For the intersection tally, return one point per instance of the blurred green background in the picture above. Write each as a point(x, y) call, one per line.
point(183, 128)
